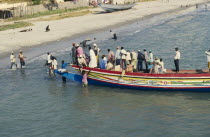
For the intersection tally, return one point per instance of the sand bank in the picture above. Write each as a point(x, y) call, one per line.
point(69, 27)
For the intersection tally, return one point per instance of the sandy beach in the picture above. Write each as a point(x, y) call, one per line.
point(69, 27)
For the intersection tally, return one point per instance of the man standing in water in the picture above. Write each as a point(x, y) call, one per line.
point(176, 59)
point(21, 57)
point(73, 53)
point(13, 60)
point(208, 58)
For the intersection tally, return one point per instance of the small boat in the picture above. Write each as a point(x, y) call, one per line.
point(185, 80)
point(118, 7)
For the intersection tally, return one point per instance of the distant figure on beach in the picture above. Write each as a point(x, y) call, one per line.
point(13, 60)
point(176, 59)
point(47, 28)
point(21, 57)
point(26, 30)
point(208, 58)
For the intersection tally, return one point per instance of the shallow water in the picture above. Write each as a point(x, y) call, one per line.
point(32, 104)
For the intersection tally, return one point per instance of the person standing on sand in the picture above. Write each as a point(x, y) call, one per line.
point(21, 57)
point(13, 60)
point(176, 59)
point(208, 58)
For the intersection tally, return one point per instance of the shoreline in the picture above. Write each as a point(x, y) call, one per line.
point(89, 31)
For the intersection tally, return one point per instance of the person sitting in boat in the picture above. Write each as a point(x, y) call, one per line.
point(208, 58)
point(103, 62)
point(82, 61)
point(129, 68)
point(93, 62)
point(63, 66)
point(162, 69)
point(109, 66)
point(150, 66)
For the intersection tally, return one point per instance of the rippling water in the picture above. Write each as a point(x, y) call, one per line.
point(32, 104)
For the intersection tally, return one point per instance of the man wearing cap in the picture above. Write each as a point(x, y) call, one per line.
point(208, 58)
point(140, 61)
point(176, 59)
point(117, 56)
point(13, 60)
point(73, 53)
point(21, 57)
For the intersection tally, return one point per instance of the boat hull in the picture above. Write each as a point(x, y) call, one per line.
point(146, 81)
point(112, 8)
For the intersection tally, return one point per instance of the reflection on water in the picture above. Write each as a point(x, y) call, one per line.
point(33, 104)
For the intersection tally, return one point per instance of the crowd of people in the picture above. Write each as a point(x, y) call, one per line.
point(120, 60)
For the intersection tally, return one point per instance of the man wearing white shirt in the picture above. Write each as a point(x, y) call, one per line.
point(176, 59)
point(208, 58)
point(118, 56)
point(123, 57)
point(13, 60)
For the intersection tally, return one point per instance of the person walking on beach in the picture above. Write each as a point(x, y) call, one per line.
point(13, 60)
point(21, 57)
point(208, 58)
point(176, 59)
point(117, 56)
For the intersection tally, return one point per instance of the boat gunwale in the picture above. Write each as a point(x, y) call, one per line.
point(149, 75)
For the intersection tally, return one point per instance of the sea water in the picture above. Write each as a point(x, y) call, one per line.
point(35, 105)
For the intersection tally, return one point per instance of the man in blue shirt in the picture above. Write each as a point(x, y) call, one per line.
point(64, 65)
